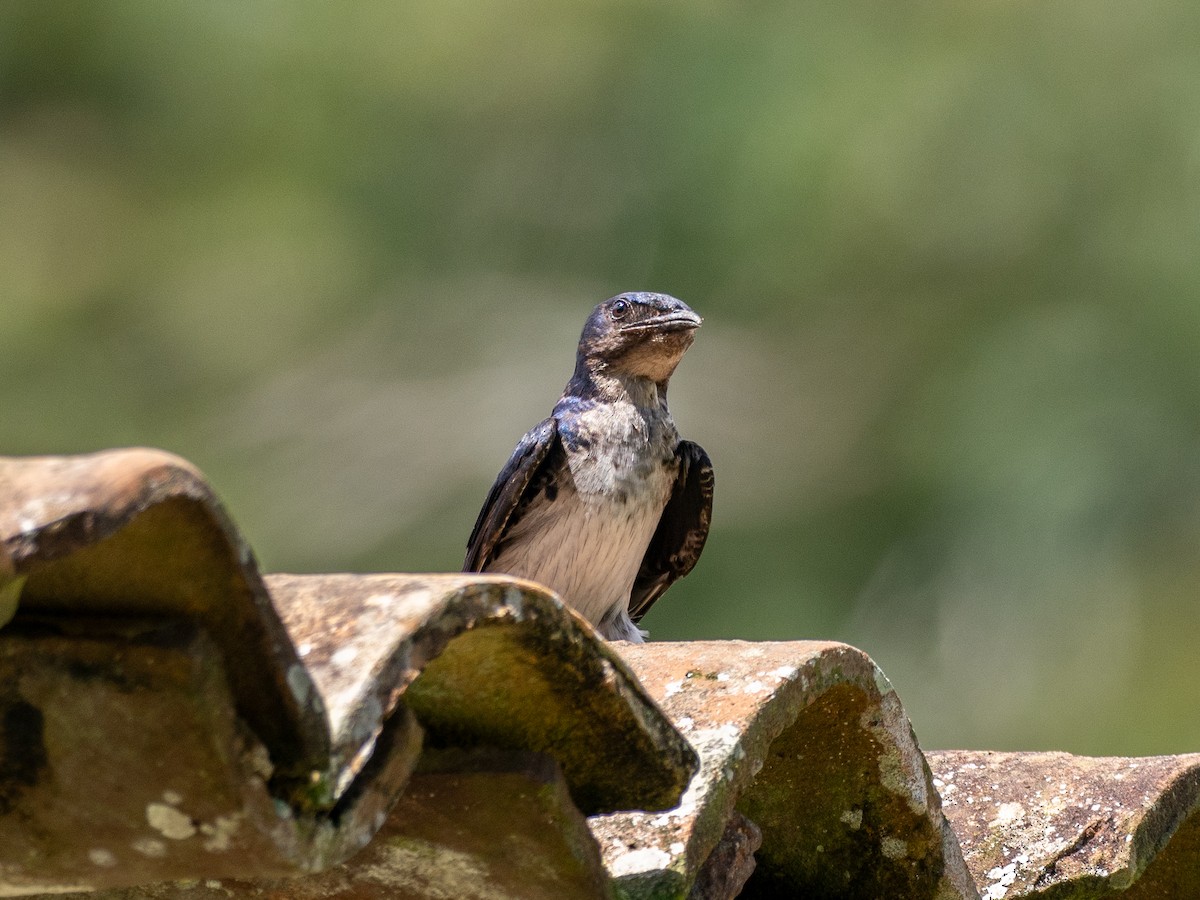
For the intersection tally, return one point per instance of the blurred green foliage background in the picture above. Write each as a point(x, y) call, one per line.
point(339, 254)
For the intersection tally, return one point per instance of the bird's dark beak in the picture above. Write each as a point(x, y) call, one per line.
point(682, 318)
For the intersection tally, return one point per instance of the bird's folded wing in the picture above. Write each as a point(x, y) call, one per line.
point(505, 496)
point(681, 533)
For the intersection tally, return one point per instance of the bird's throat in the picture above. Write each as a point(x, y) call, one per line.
point(607, 385)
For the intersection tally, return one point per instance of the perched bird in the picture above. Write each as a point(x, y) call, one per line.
point(603, 502)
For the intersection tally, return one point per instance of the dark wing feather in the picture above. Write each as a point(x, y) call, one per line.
point(681, 533)
point(506, 494)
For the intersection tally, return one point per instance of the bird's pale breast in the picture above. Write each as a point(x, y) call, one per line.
point(587, 543)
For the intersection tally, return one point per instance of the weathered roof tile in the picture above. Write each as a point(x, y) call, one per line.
point(477, 825)
point(158, 722)
point(173, 724)
point(139, 532)
point(809, 742)
point(1052, 824)
point(484, 661)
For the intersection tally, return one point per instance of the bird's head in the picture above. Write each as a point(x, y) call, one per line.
point(639, 335)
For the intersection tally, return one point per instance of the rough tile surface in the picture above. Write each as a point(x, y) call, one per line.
point(140, 532)
point(165, 714)
point(173, 724)
point(1056, 825)
point(809, 742)
point(471, 826)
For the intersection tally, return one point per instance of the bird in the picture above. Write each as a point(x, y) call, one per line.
point(602, 501)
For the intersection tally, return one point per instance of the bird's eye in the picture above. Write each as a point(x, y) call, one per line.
point(620, 309)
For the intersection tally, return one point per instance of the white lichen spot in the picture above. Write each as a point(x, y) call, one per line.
point(169, 822)
point(671, 688)
point(304, 649)
point(384, 600)
point(514, 599)
point(212, 885)
point(150, 847)
point(715, 747)
point(1004, 876)
point(853, 818)
point(754, 687)
point(685, 723)
point(644, 859)
point(428, 870)
point(784, 672)
point(1008, 813)
point(101, 857)
point(894, 848)
point(219, 833)
point(901, 767)
point(172, 797)
point(882, 683)
point(299, 684)
point(676, 848)
point(722, 676)
point(344, 657)
point(258, 761)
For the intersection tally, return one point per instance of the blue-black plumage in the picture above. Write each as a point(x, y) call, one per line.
point(603, 502)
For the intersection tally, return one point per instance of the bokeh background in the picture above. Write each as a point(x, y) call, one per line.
point(339, 254)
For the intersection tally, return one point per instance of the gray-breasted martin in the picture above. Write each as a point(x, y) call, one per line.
point(602, 502)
